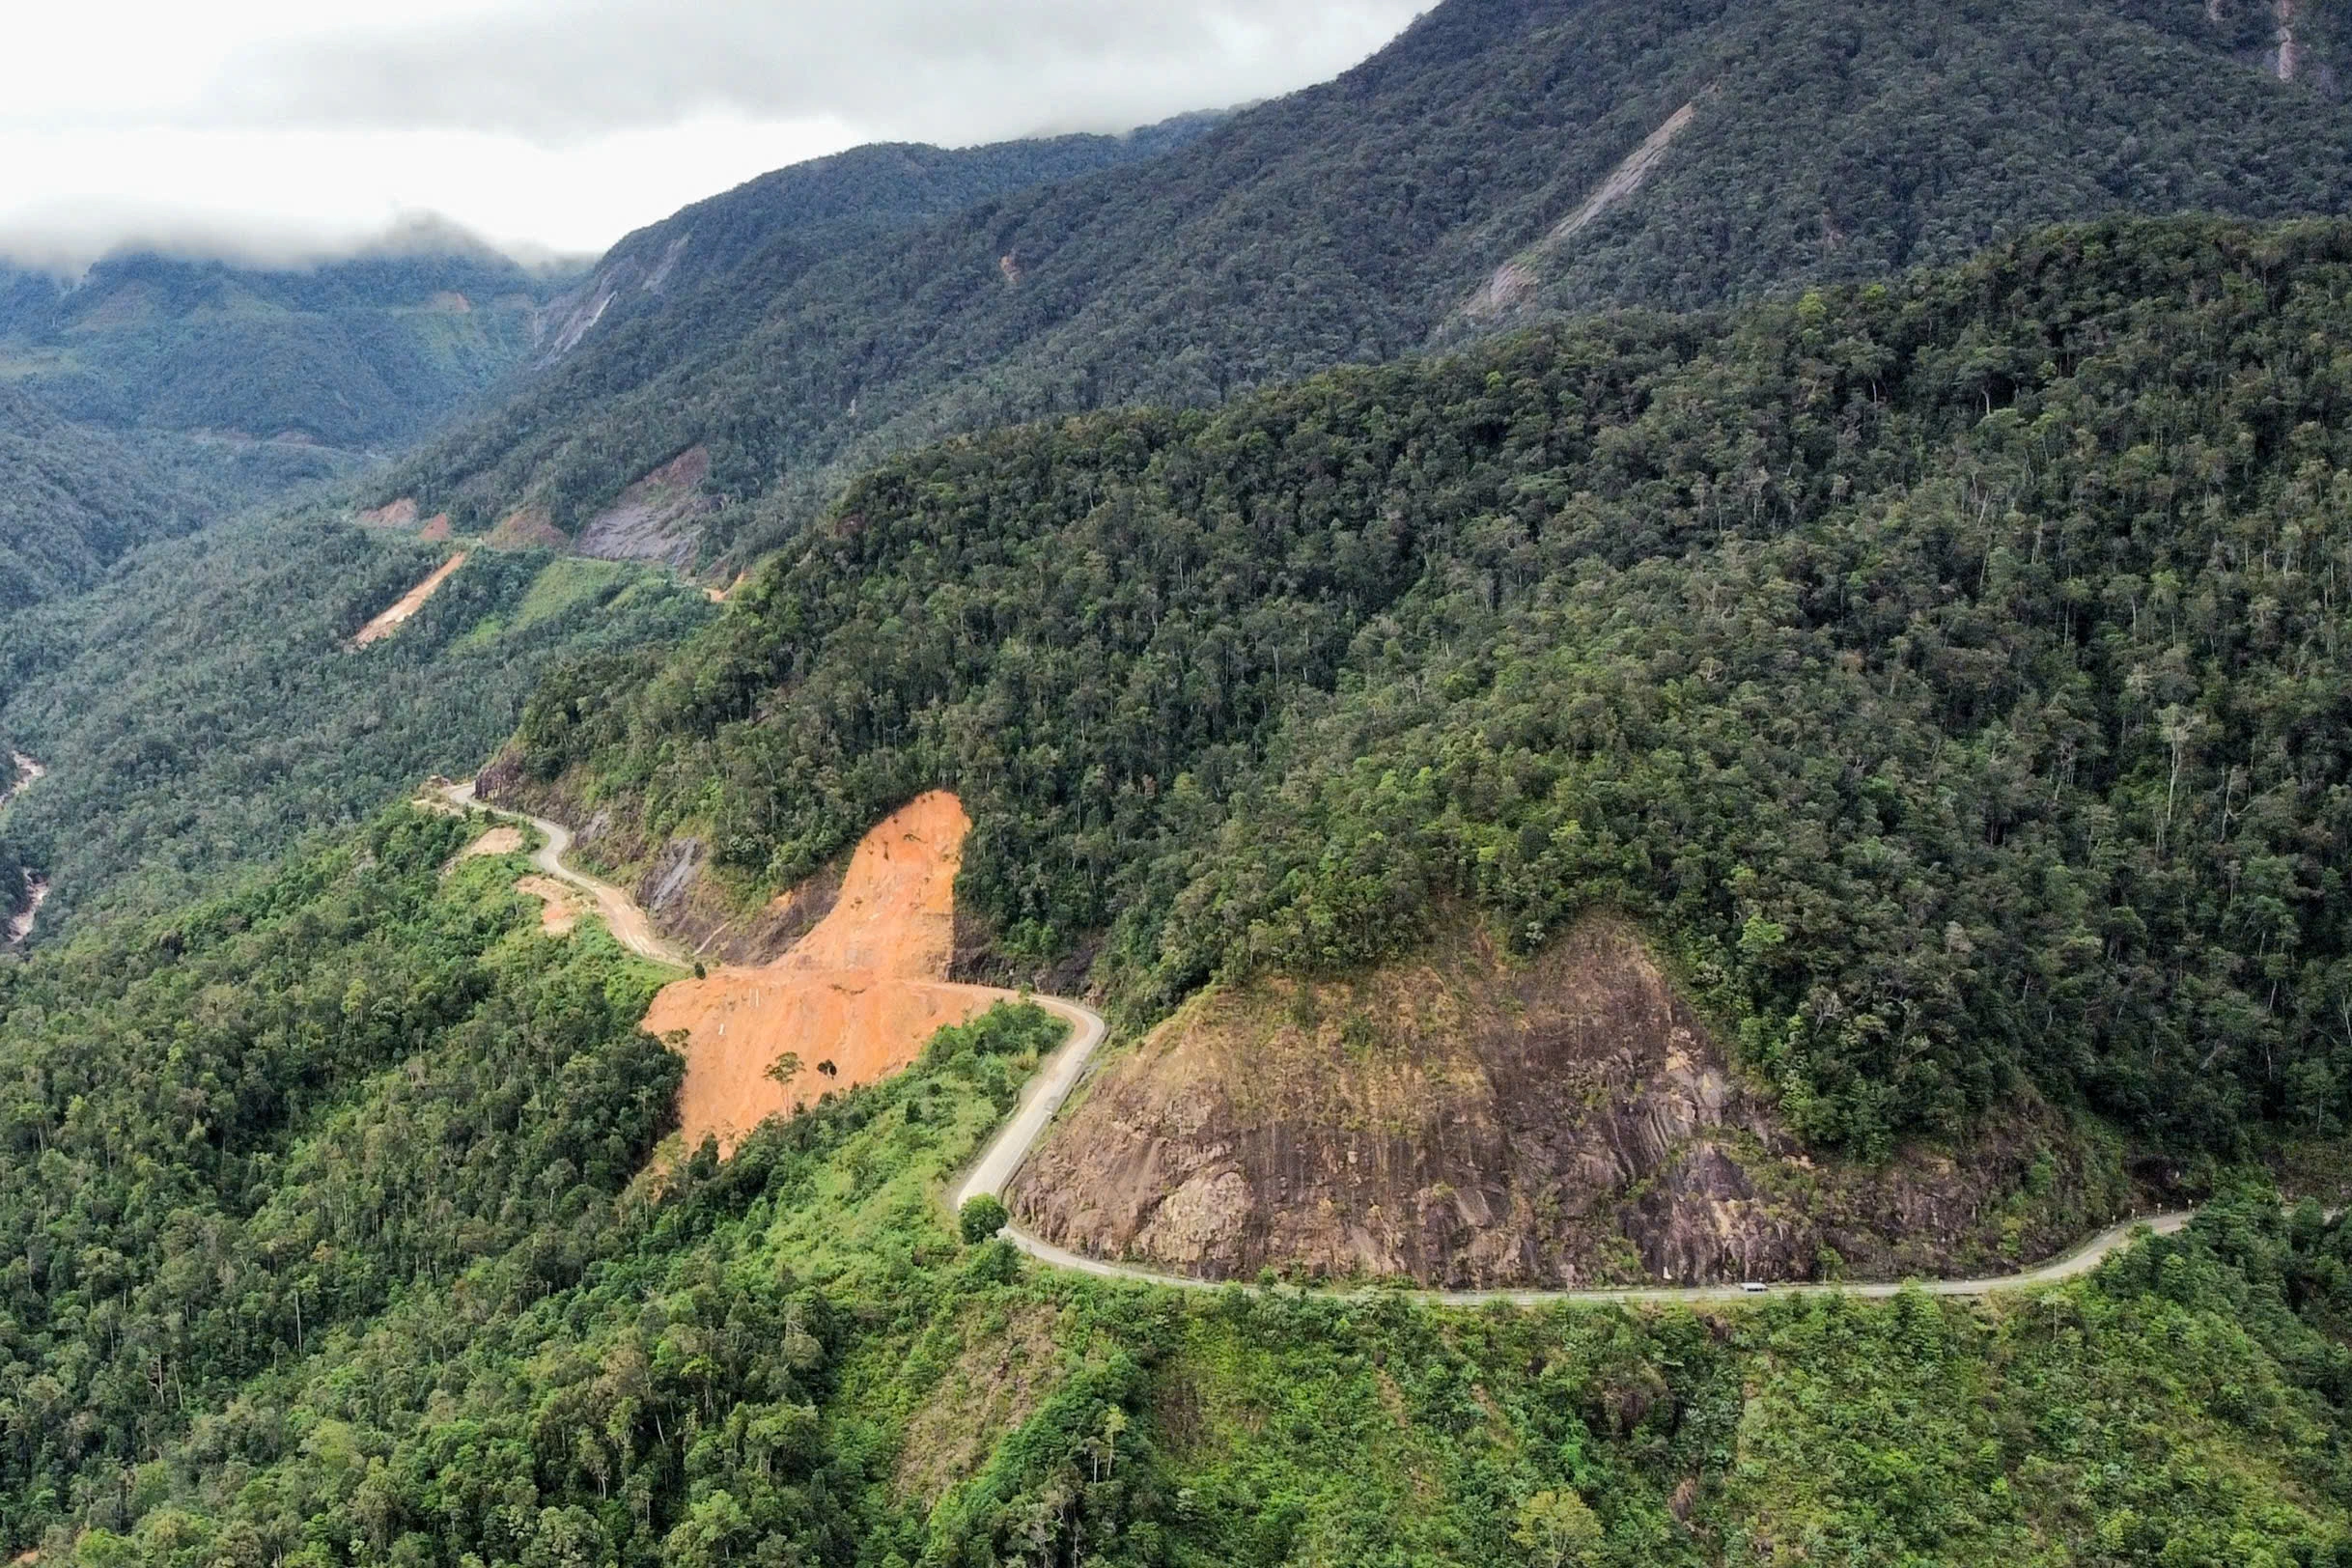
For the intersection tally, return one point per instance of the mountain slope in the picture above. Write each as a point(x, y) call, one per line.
point(363, 352)
point(202, 709)
point(1373, 215)
point(332, 1240)
point(1948, 677)
point(255, 377)
point(790, 218)
point(71, 501)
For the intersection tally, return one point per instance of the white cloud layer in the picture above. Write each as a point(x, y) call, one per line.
point(291, 128)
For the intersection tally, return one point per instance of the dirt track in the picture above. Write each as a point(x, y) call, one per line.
point(626, 921)
point(409, 603)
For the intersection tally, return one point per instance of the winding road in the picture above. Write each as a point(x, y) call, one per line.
point(1049, 1087)
point(628, 923)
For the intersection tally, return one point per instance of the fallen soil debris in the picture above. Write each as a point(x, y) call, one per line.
point(853, 1002)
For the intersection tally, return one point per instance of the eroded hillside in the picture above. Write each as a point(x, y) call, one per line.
point(1470, 1120)
point(850, 1004)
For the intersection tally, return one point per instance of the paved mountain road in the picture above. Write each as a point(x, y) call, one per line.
point(629, 924)
point(1043, 1096)
point(1053, 1081)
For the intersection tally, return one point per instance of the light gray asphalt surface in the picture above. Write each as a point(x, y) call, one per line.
point(629, 924)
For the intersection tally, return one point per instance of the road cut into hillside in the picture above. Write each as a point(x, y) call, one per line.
point(852, 1003)
point(409, 603)
point(629, 924)
point(862, 986)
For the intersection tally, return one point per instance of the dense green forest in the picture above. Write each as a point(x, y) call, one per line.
point(1916, 625)
point(1359, 220)
point(709, 269)
point(282, 373)
point(200, 711)
point(1952, 673)
point(359, 353)
point(72, 500)
point(330, 1241)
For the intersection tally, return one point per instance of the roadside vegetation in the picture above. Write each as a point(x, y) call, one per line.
point(335, 1236)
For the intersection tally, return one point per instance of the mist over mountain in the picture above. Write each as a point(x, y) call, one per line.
point(1503, 160)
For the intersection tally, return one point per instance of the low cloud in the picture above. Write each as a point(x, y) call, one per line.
point(280, 132)
point(66, 242)
point(957, 71)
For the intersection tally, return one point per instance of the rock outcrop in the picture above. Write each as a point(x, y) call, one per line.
point(654, 519)
point(1474, 1121)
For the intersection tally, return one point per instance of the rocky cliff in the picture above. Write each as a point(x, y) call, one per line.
point(1472, 1120)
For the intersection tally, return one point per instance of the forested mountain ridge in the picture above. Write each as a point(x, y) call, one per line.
point(329, 1242)
point(800, 215)
point(1948, 674)
point(201, 711)
point(249, 378)
point(1826, 140)
point(364, 352)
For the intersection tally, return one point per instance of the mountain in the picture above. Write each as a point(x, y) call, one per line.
point(71, 501)
point(1942, 681)
point(332, 1238)
point(261, 377)
point(203, 710)
point(793, 217)
point(363, 352)
point(1502, 160)
point(1845, 780)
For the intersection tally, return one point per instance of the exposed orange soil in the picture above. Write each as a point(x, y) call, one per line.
point(436, 530)
point(398, 515)
point(559, 911)
point(526, 526)
point(720, 596)
point(410, 602)
point(859, 993)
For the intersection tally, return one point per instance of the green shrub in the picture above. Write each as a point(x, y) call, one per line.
point(981, 1219)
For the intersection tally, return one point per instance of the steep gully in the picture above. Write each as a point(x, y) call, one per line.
point(19, 926)
point(1043, 1097)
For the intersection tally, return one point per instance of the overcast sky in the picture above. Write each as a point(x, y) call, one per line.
point(280, 126)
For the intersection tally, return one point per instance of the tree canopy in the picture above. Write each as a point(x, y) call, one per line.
point(1951, 672)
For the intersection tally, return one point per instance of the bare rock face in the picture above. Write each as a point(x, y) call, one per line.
point(1474, 1121)
point(656, 518)
point(676, 885)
